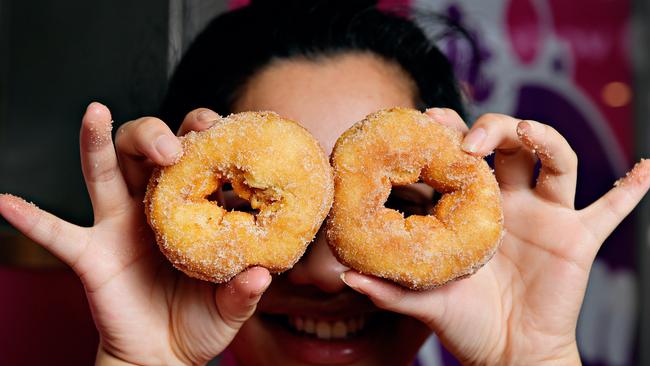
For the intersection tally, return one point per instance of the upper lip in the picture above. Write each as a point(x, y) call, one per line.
point(312, 302)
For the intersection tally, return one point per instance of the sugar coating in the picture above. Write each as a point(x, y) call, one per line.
point(637, 175)
point(401, 146)
point(100, 133)
point(18, 204)
point(270, 161)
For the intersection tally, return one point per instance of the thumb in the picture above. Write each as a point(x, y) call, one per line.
point(426, 306)
point(236, 301)
point(604, 215)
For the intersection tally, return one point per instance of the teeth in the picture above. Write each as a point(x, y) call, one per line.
point(310, 326)
point(352, 325)
point(324, 329)
point(339, 330)
point(299, 324)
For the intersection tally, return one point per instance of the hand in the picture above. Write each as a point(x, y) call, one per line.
point(146, 312)
point(522, 306)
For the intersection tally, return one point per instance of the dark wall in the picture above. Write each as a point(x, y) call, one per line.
point(57, 57)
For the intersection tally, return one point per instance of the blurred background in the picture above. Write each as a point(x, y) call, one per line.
point(582, 66)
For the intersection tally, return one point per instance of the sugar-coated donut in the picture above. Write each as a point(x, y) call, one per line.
point(397, 147)
point(270, 161)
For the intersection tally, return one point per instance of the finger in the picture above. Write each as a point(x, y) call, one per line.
point(198, 120)
point(604, 215)
point(513, 164)
point(426, 306)
point(447, 117)
point(559, 173)
point(237, 300)
point(509, 136)
point(141, 144)
point(106, 187)
point(64, 240)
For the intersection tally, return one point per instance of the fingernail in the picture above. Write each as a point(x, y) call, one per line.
point(436, 112)
point(91, 103)
point(342, 276)
point(167, 146)
point(474, 140)
point(363, 280)
point(523, 128)
point(207, 116)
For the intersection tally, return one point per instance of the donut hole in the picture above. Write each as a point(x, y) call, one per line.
point(230, 200)
point(412, 199)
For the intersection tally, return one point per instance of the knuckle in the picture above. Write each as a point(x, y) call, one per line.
point(488, 120)
point(613, 207)
point(192, 115)
point(390, 298)
point(149, 123)
point(563, 146)
point(133, 138)
point(573, 159)
point(234, 320)
point(385, 304)
point(451, 112)
point(188, 125)
point(147, 129)
point(55, 230)
point(492, 116)
point(104, 173)
point(551, 133)
point(123, 131)
point(194, 121)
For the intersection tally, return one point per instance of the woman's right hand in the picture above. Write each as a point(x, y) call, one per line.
point(146, 311)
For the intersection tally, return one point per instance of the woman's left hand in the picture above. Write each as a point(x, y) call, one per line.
point(522, 306)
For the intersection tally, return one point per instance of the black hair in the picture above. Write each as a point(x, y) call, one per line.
point(237, 44)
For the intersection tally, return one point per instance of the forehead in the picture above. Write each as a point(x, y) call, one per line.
point(328, 95)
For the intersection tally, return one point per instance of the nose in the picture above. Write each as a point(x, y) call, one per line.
point(319, 267)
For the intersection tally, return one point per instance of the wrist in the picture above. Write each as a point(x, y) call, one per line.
point(106, 359)
point(566, 355)
point(569, 356)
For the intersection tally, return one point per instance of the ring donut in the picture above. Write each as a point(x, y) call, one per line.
point(397, 147)
point(270, 161)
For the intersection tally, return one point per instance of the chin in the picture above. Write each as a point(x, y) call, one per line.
point(353, 335)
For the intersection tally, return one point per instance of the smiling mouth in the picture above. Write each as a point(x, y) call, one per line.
point(322, 329)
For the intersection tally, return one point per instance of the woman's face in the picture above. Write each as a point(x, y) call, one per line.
point(308, 315)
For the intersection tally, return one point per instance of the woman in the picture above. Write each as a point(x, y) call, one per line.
point(327, 65)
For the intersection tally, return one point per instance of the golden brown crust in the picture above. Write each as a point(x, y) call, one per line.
point(271, 161)
point(401, 146)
